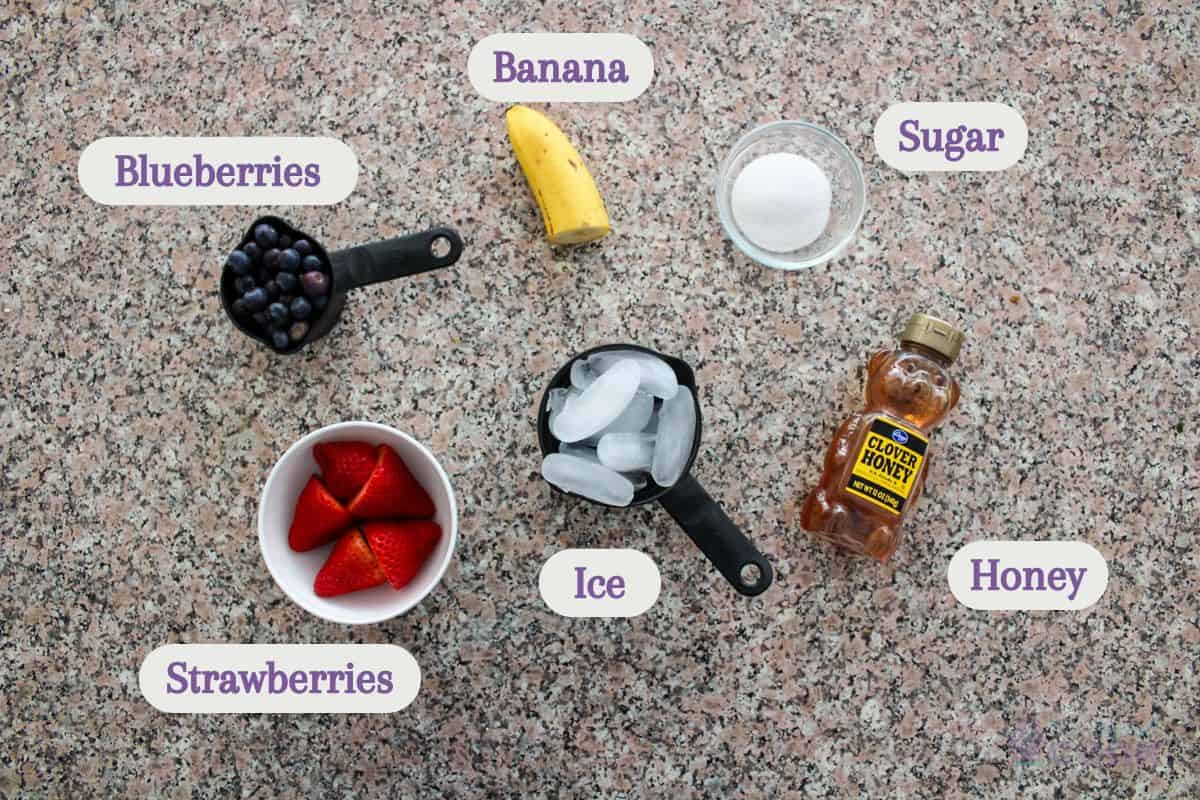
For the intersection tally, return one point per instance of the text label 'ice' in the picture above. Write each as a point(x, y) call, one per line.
point(599, 583)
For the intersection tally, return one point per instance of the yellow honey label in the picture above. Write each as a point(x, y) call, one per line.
point(887, 465)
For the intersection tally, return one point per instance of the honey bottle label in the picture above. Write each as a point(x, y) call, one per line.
point(887, 465)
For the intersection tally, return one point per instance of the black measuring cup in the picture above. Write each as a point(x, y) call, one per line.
point(701, 518)
point(349, 269)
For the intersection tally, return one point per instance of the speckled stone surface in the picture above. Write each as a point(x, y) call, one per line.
point(137, 426)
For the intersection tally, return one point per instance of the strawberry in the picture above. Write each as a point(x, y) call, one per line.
point(350, 567)
point(402, 546)
point(391, 491)
point(345, 466)
point(318, 518)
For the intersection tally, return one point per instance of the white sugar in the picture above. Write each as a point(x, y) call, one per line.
point(781, 202)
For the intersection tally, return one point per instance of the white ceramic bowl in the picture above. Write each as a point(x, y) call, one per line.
point(294, 572)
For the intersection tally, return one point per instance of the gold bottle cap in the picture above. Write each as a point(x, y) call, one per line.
point(936, 334)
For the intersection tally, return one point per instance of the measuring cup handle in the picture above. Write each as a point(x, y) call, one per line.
point(716, 535)
point(394, 258)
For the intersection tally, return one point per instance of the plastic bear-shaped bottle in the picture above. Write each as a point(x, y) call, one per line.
point(876, 464)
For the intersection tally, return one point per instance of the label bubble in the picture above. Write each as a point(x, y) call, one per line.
point(1027, 576)
point(600, 583)
point(217, 170)
point(279, 678)
point(562, 67)
point(951, 137)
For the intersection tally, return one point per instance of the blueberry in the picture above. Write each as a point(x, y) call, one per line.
point(287, 282)
point(300, 308)
point(278, 313)
point(289, 260)
point(256, 299)
point(320, 301)
point(239, 308)
point(266, 236)
point(315, 283)
point(280, 340)
point(253, 250)
point(298, 331)
point(260, 319)
point(271, 259)
point(272, 288)
point(311, 263)
point(239, 262)
point(303, 247)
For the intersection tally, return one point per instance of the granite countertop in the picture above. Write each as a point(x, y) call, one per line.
point(137, 426)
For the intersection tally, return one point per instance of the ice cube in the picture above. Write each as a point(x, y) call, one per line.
point(598, 405)
point(651, 425)
point(582, 375)
point(582, 477)
point(673, 442)
point(556, 401)
point(657, 377)
point(626, 451)
point(637, 477)
point(579, 451)
point(632, 420)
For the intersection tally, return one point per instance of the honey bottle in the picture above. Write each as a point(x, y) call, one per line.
point(876, 464)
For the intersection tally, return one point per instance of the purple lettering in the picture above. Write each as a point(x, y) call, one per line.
point(252, 682)
point(205, 174)
point(293, 175)
point(176, 671)
point(298, 683)
point(127, 174)
point(979, 575)
point(504, 66)
point(272, 686)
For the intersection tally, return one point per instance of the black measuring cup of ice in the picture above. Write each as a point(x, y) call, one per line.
point(346, 269)
point(701, 518)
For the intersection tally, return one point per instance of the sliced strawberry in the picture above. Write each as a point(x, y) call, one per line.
point(402, 546)
point(345, 466)
point(391, 491)
point(350, 567)
point(318, 518)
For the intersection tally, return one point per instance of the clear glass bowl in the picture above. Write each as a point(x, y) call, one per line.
point(832, 156)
